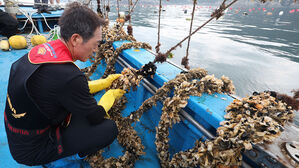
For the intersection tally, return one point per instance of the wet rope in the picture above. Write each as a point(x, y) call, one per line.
point(99, 10)
point(162, 93)
point(128, 17)
point(129, 8)
point(159, 25)
point(132, 9)
point(109, 5)
point(218, 13)
point(118, 8)
point(104, 8)
point(185, 60)
point(107, 9)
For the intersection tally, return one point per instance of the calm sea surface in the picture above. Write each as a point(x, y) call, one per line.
point(255, 46)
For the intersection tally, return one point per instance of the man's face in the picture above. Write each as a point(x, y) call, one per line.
point(85, 49)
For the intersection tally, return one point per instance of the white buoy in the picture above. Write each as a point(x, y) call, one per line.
point(280, 13)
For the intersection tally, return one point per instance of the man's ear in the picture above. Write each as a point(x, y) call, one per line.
point(76, 39)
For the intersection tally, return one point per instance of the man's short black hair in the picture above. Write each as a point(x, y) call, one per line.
point(79, 19)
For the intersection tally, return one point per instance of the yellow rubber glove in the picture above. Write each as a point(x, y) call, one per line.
point(109, 97)
point(100, 84)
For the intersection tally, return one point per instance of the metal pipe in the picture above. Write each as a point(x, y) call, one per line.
point(196, 124)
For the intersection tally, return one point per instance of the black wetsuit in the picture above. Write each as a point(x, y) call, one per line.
point(8, 24)
point(59, 90)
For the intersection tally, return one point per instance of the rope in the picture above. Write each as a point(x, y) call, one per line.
point(31, 20)
point(118, 7)
point(216, 14)
point(107, 9)
point(129, 7)
point(159, 25)
point(185, 60)
point(53, 32)
point(99, 7)
point(24, 25)
point(128, 17)
point(130, 11)
point(104, 7)
point(46, 21)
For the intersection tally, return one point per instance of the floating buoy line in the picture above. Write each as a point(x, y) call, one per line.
point(255, 119)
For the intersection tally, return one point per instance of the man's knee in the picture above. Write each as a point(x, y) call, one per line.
point(112, 129)
point(108, 136)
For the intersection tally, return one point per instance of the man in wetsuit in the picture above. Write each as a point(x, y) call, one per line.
point(50, 113)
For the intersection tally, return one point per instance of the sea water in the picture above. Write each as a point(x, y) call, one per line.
point(255, 45)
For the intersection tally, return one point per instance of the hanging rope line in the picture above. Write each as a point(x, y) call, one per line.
point(99, 8)
point(128, 17)
point(219, 12)
point(107, 9)
point(129, 8)
point(185, 60)
point(104, 8)
point(130, 5)
point(132, 9)
point(118, 8)
point(158, 41)
point(216, 14)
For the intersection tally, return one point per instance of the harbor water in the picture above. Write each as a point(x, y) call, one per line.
point(256, 46)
